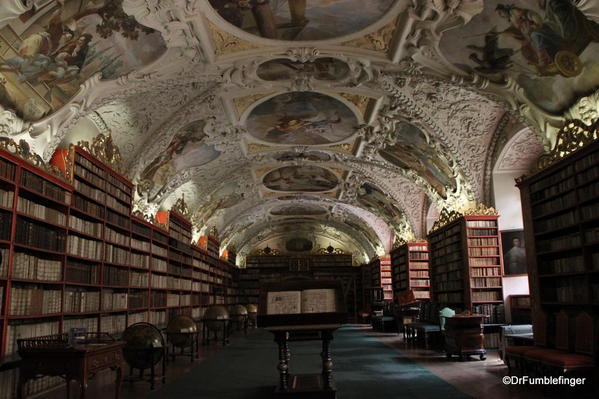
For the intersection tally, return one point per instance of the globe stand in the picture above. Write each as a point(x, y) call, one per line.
point(183, 341)
point(225, 328)
point(147, 354)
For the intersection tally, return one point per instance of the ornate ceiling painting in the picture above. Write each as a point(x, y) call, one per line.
point(301, 19)
point(51, 49)
point(301, 179)
point(411, 151)
point(325, 68)
point(186, 150)
point(298, 210)
point(302, 118)
point(549, 47)
point(345, 130)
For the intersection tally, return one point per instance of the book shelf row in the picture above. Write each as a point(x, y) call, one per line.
point(71, 255)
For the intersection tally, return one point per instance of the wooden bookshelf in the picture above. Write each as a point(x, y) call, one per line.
point(74, 256)
point(466, 266)
point(381, 275)
point(410, 270)
point(520, 309)
point(560, 204)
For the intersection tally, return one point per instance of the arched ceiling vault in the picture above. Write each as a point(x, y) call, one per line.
point(337, 120)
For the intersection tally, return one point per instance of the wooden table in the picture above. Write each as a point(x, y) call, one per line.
point(77, 362)
point(309, 385)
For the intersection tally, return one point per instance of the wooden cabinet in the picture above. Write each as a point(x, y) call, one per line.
point(410, 270)
point(464, 336)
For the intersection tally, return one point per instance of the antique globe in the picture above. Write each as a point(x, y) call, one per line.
point(238, 312)
point(252, 312)
point(180, 331)
point(214, 313)
point(144, 345)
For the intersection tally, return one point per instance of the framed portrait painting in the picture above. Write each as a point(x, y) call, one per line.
point(514, 253)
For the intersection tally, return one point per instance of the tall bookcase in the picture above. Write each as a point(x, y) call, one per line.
point(382, 277)
point(72, 255)
point(466, 265)
point(410, 270)
point(560, 203)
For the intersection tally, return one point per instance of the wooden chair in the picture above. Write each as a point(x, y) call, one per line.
point(514, 355)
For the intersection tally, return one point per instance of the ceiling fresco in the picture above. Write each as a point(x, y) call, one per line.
point(412, 151)
point(49, 51)
point(301, 20)
point(301, 179)
point(325, 68)
point(303, 118)
point(341, 122)
point(549, 47)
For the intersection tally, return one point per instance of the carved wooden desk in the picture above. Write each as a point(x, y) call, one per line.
point(77, 362)
point(310, 385)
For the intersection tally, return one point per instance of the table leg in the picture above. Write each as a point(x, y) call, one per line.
point(119, 381)
point(83, 383)
point(283, 366)
point(327, 361)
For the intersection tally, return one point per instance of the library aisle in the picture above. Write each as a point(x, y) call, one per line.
point(367, 364)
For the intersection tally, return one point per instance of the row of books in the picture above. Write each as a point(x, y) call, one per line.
point(448, 285)
point(159, 250)
point(447, 267)
point(7, 169)
point(6, 198)
point(159, 264)
point(556, 222)
point(85, 226)
point(31, 267)
point(589, 192)
point(481, 223)
point(569, 264)
point(418, 256)
point(115, 236)
point(119, 206)
point(568, 290)
point(114, 324)
point(114, 300)
point(492, 261)
point(421, 294)
point(481, 282)
point(485, 271)
point(482, 241)
point(554, 189)
point(420, 282)
point(555, 204)
point(422, 247)
point(440, 258)
point(90, 176)
point(137, 299)
point(553, 178)
point(33, 300)
point(483, 251)
point(43, 186)
point(590, 211)
point(39, 236)
point(87, 206)
point(84, 247)
point(4, 253)
point(90, 192)
point(481, 232)
point(142, 245)
point(82, 272)
point(5, 225)
point(418, 265)
point(137, 317)
point(116, 254)
point(419, 273)
point(116, 276)
point(78, 301)
point(486, 296)
point(118, 219)
point(449, 297)
point(562, 242)
point(494, 313)
point(81, 160)
point(588, 175)
point(139, 279)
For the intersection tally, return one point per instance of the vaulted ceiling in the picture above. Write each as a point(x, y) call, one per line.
point(338, 122)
